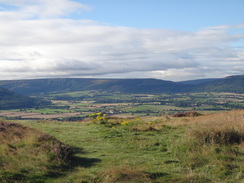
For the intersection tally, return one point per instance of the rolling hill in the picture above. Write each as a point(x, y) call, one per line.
point(233, 84)
point(33, 87)
point(198, 81)
point(11, 100)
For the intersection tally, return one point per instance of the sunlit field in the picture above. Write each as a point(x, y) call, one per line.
point(207, 148)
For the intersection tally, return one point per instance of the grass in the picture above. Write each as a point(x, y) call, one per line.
point(27, 155)
point(224, 128)
point(49, 111)
point(215, 147)
point(154, 108)
point(152, 149)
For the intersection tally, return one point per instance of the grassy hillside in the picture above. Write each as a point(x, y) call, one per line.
point(27, 155)
point(198, 81)
point(204, 149)
point(33, 87)
point(11, 100)
point(233, 84)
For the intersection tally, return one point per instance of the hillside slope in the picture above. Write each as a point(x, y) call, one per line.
point(33, 87)
point(198, 81)
point(233, 84)
point(11, 100)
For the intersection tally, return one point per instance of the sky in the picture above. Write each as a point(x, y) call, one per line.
point(164, 39)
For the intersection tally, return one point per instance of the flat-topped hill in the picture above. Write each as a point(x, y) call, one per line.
point(233, 84)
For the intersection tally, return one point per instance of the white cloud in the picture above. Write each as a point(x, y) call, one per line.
point(39, 43)
point(40, 8)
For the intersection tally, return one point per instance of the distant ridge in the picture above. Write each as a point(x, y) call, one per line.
point(233, 84)
point(199, 81)
point(37, 86)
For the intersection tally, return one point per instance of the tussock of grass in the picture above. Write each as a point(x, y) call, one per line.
point(220, 136)
point(60, 151)
point(223, 128)
point(123, 175)
point(213, 149)
point(145, 128)
point(29, 155)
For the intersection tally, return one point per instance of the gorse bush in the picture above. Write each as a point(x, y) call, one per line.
point(99, 118)
point(125, 122)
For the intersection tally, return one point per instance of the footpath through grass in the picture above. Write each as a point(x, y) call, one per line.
point(162, 149)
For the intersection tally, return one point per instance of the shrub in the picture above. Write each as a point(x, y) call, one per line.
point(187, 114)
point(125, 122)
point(99, 118)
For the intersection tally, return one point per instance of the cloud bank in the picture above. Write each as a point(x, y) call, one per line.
point(39, 39)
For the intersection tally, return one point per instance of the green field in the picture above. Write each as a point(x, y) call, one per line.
point(81, 104)
point(151, 149)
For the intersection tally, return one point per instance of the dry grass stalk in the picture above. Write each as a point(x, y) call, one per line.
point(124, 175)
point(223, 128)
